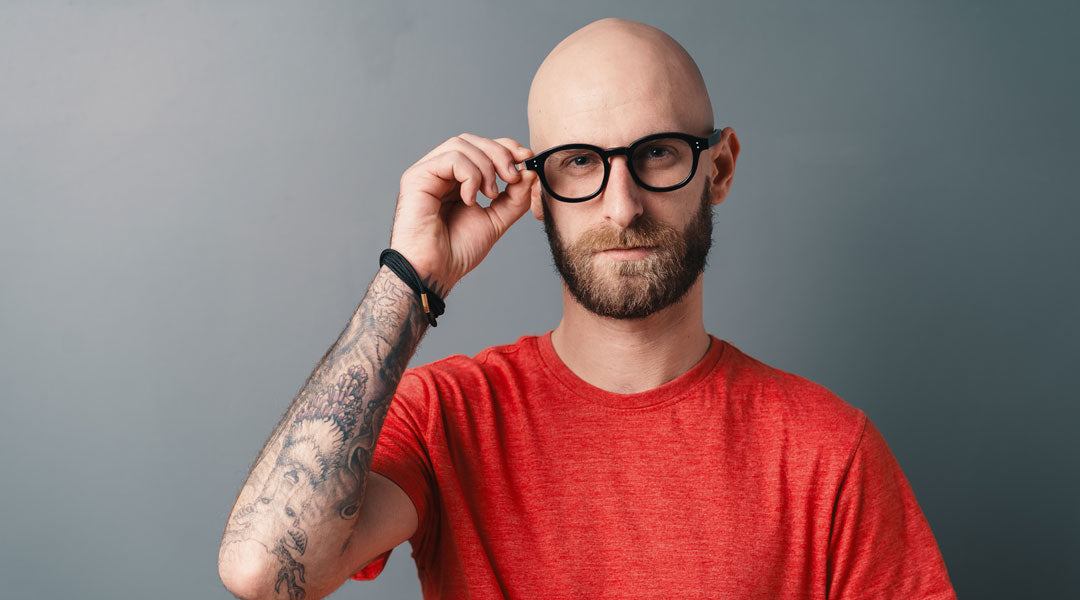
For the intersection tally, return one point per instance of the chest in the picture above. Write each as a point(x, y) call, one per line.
point(725, 499)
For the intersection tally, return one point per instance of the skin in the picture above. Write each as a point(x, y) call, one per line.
point(291, 529)
point(310, 513)
point(609, 84)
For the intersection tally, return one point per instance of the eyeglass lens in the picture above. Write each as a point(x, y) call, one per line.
point(579, 172)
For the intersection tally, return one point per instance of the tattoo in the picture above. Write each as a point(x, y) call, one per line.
point(291, 572)
point(397, 355)
point(337, 403)
point(400, 350)
point(315, 465)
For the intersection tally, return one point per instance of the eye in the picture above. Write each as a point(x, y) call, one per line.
point(579, 160)
point(292, 476)
point(659, 150)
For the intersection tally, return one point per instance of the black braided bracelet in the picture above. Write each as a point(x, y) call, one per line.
point(432, 304)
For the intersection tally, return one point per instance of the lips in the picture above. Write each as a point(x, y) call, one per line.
point(622, 248)
point(628, 252)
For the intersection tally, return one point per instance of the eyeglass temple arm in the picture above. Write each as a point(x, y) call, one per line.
point(714, 137)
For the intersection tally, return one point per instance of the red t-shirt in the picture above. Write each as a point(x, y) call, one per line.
point(734, 480)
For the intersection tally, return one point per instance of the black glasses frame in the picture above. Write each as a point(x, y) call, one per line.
point(697, 144)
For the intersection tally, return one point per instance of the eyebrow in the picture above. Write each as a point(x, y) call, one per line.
point(590, 143)
point(640, 137)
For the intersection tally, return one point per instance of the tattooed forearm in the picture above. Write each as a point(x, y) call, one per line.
point(307, 484)
point(398, 352)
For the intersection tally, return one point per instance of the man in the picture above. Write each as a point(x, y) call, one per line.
point(627, 453)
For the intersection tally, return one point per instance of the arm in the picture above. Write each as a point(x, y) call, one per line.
point(300, 525)
point(292, 523)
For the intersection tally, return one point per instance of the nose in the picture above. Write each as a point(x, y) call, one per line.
point(621, 198)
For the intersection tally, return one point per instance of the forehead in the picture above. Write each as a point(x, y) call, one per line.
point(611, 101)
point(608, 116)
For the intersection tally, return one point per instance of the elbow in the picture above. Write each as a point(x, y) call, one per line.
point(245, 574)
point(249, 572)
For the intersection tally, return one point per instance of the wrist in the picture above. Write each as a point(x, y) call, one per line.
point(432, 272)
point(431, 301)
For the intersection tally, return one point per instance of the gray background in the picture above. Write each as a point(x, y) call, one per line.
point(194, 196)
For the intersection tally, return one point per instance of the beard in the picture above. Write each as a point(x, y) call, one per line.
point(633, 289)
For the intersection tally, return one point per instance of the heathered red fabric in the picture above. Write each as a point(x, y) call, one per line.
point(735, 480)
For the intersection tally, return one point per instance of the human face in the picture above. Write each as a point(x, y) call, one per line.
point(628, 251)
point(633, 272)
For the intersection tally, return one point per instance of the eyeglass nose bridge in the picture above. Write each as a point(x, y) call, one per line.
point(611, 152)
point(607, 155)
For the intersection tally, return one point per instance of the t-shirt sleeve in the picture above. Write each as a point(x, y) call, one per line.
point(880, 545)
point(401, 455)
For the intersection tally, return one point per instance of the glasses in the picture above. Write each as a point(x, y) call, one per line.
point(660, 162)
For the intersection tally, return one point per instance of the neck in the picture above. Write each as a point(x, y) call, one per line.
point(632, 355)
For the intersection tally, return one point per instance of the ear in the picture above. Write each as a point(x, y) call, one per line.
point(537, 202)
point(722, 158)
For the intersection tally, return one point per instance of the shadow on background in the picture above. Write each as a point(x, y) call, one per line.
point(194, 198)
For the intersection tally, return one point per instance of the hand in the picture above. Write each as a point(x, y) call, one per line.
point(438, 225)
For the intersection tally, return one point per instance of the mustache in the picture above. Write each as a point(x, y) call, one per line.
point(644, 232)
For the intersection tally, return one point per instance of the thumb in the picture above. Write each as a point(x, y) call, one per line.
point(508, 206)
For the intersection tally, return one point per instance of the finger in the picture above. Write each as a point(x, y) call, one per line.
point(456, 166)
point(486, 163)
point(501, 156)
point(519, 151)
point(487, 185)
point(511, 203)
point(490, 186)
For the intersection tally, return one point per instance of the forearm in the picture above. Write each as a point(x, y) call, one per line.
point(296, 512)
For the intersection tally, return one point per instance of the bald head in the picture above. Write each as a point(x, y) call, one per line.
point(614, 81)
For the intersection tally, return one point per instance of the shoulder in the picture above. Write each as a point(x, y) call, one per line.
point(803, 409)
point(459, 372)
